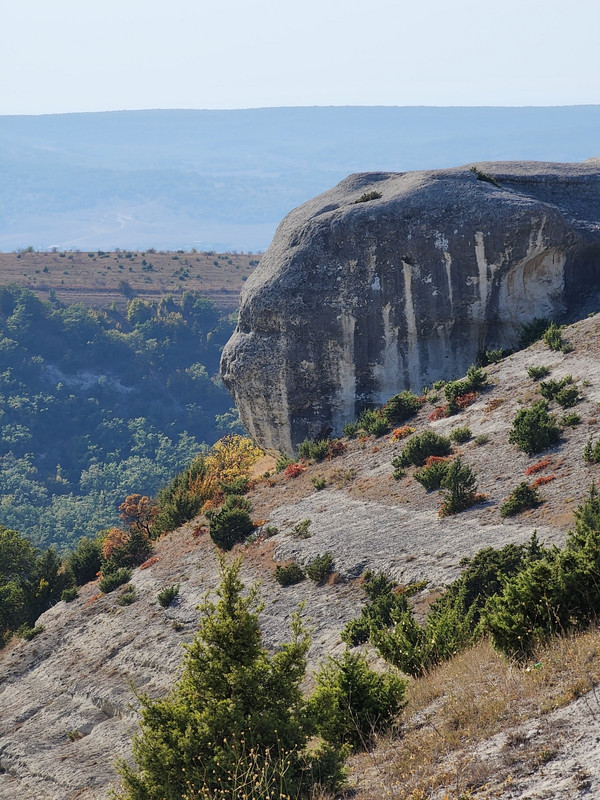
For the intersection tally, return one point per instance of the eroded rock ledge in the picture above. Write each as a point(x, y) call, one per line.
point(355, 301)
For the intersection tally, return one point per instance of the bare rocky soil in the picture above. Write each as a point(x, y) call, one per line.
point(67, 707)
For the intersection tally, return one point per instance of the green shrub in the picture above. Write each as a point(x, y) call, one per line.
point(229, 526)
point(487, 357)
point(350, 429)
point(414, 648)
point(373, 422)
point(238, 486)
point(439, 385)
point(549, 389)
point(318, 482)
point(385, 602)
point(474, 381)
point(591, 452)
point(85, 561)
point(352, 702)
point(320, 567)
point(483, 176)
point(460, 487)
point(177, 502)
point(568, 397)
point(553, 337)
point(421, 446)
point(127, 597)
point(166, 596)
point(27, 632)
point(537, 373)
point(460, 435)
point(520, 499)
point(301, 529)
point(399, 471)
point(534, 429)
point(482, 439)
point(570, 420)
point(401, 407)
point(557, 594)
point(366, 196)
point(454, 621)
point(289, 574)
point(68, 595)
point(108, 583)
point(533, 331)
point(317, 450)
point(432, 475)
point(282, 462)
point(236, 722)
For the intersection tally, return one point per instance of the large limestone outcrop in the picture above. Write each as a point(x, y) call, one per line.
point(355, 301)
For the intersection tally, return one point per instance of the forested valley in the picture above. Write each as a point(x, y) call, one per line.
point(95, 405)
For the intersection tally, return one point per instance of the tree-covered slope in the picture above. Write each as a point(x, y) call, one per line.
point(96, 405)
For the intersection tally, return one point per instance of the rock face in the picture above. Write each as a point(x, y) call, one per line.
point(355, 301)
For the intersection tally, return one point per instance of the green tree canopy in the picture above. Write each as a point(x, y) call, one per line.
point(236, 723)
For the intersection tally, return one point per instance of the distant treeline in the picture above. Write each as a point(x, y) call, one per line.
point(95, 405)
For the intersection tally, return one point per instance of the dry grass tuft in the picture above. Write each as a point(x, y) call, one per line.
point(457, 707)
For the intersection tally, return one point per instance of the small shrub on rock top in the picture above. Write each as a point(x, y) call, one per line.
point(538, 466)
point(366, 196)
point(520, 499)
point(128, 596)
point(542, 480)
point(350, 429)
point(438, 413)
point(289, 574)
point(549, 389)
point(28, 633)
point(301, 529)
point(534, 429)
point(373, 422)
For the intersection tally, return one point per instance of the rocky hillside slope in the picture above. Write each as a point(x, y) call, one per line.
point(67, 705)
point(390, 281)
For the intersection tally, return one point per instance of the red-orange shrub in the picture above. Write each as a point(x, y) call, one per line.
point(293, 470)
point(538, 467)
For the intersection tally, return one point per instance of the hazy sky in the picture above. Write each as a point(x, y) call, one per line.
point(94, 55)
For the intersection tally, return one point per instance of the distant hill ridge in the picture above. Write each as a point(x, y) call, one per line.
point(221, 180)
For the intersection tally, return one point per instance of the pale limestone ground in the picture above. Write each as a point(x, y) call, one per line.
point(75, 677)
